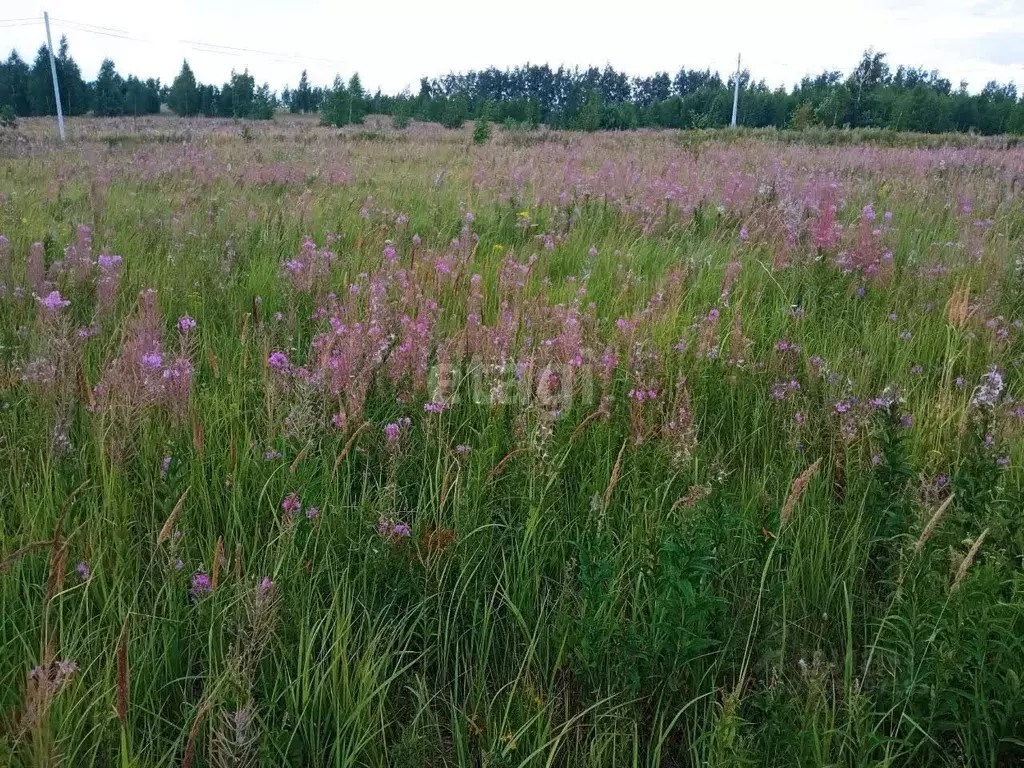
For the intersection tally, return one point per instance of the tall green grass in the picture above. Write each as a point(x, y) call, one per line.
point(570, 595)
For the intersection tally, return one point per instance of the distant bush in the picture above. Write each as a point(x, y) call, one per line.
point(517, 126)
point(455, 111)
point(819, 136)
point(7, 117)
point(482, 131)
point(368, 136)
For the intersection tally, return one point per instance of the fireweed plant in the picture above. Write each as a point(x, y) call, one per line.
point(379, 448)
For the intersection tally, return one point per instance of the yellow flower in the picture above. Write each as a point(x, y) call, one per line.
point(499, 247)
point(24, 220)
point(523, 214)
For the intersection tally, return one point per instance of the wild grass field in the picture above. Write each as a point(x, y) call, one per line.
point(380, 448)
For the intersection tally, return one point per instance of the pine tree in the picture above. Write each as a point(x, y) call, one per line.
point(482, 129)
point(74, 92)
point(243, 94)
point(263, 104)
point(108, 98)
point(356, 99)
point(336, 109)
point(590, 115)
point(183, 98)
point(302, 100)
point(40, 85)
point(14, 74)
point(455, 111)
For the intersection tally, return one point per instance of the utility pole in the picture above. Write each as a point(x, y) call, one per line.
point(53, 71)
point(735, 94)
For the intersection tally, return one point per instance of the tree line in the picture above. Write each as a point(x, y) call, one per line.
point(871, 95)
point(28, 90)
point(239, 97)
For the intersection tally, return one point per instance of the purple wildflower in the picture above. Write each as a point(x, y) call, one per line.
point(53, 302)
point(291, 504)
point(987, 394)
point(83, 570)
point(312, 513)
point(186, 323)
point(278, 361)
point(201, 584)
point(151, 361)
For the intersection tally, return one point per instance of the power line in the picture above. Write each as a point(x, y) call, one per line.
point(230, 50)
point(119, 33)
point(105, 34)
point(84, 24)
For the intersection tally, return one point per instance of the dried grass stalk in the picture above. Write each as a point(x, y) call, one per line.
point(965, 566)
point(958, 307)
point(168, 529)
point(500, 467)
point(615, 474)
point(218, 557)
point(933, 523)
point(122, 676)
point(348, 445)
point(796, 491)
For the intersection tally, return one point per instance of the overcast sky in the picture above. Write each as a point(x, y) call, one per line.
point(393, 42)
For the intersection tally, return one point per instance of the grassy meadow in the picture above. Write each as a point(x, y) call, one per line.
point(380, 448)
